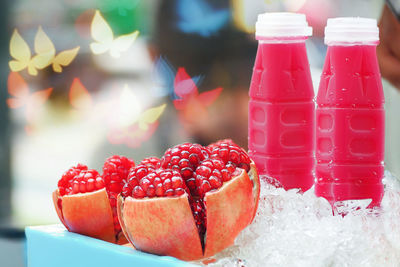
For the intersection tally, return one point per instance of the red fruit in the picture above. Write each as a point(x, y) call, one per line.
point(161, 215)
point(184, 158)
point(230, 152)
point(86, 202)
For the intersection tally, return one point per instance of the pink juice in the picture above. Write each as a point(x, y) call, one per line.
point(281, 108)
point(350, 117)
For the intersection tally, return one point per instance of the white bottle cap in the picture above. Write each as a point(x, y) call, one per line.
point(282, 24)
point(351, 30)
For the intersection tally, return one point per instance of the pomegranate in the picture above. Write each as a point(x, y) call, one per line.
point(193, 204)
point(86, 202)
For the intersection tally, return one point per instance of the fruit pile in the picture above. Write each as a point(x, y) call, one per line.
point(190, 204)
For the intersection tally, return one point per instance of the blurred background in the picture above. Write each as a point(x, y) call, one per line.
point(83, 80)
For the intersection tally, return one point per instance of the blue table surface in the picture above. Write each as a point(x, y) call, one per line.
point(53, 245)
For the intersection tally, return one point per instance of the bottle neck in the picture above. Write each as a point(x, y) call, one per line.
point(360, 43)
point(281, 39)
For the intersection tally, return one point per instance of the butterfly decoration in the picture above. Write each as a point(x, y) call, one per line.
point(122, 114)
point(21, 96)
point(191, 103)
point(131, 136)
point(45, 54)
point(104, 40)
point(139, 131)
point(198, 17)
point(79, 96)
point(164, 77)
point(132, 126)
point(129, 123)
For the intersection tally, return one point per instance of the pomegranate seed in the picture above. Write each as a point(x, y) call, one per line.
point(175, 160)
point(226, 175)
point(203, 170)
point(127, 190)
point(141, 172)
point(159, 190)
point(230, 167)
point(138, 192)
point(177, 182)
point(179, 191)
point(185, 154)
point(167, 184)
point(215, 182)
point(82, 186)
point(133, 182)
point(224, 154)
point(90, 185)
point(184, 163)
point(157, 181)
point(99, 183)
point(151, 191)
point(194, 159)
point(144, 183)
point(169, 192)
point(75, 187)
point(204, 187)
point(187, 172)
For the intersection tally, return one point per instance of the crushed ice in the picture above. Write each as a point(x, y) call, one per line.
point(293, 229)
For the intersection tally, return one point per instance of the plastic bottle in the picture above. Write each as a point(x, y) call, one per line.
point(350, 114)
point(281, 109)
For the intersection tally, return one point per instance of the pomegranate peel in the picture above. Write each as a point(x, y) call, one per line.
point(97, 222)
point(253, 175)
point(144, 222)
point(57, 206)
point(229, 211)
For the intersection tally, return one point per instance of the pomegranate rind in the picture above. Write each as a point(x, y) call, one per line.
point(57, 203)
point(162, 226)
point(87, 214)
point(229, 210)
point(120, 206)
point(253, 175)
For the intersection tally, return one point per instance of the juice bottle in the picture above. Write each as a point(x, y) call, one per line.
point(281, 108)
point(350, 114)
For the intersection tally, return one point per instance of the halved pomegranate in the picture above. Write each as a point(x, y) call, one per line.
point(194, 205)
point(86, 202)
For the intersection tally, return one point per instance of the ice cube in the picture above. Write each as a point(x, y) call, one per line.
point(294, 229)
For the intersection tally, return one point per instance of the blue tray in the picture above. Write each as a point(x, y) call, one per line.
point(53, 245)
